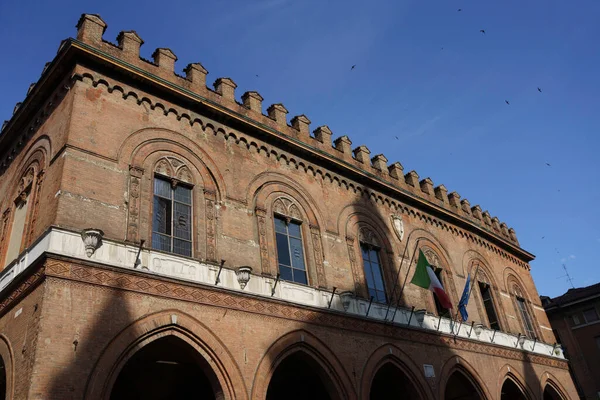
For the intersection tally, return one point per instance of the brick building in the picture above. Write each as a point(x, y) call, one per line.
point(160, 238)
point(574, 317)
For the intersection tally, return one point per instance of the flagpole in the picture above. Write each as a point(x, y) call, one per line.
point(406, 277)
point(398, 275)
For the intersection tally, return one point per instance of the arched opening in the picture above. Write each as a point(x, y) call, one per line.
point(300, 377)
point(390, 382)
point(460, 387)
point(167, 368)
point(510, 391)
point(2, 379)
point(550, 393)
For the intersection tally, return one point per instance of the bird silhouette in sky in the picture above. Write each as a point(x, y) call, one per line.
point(482, 31)
point(257, 75)
point(354, 66)
point(539, 90)
point(460, 9)
point(506, 101)
point(397, 138)
point(548, 164)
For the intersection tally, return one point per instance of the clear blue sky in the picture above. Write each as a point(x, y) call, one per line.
point(446, 106)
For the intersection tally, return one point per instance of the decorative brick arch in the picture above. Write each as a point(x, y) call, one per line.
point(303, 341)
point(485, 274)
point(274, 193)
point(357, 224)
point(155, 326)
point(509, 372)
point(389, 353)
point(6, 353)
point(147, 156)
point(460, 365)
point(516, 288)
point(438, 256)
point(547, 379)
point(24, 187)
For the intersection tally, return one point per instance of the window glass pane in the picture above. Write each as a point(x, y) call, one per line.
point(590, 315)
point(297, 253)
point(161, 221)
point(381, 296)
point(300, 276)
point(365, 252)
point(377, 276)
point(294, 229)
point(373, 256)
point(575, 319)
point(182, 223)
point(372, 293)
point(369, 275)
point(286, 273)
point(283, 251)
point(525, 315)
point(161, 242)
point(280, 225)
point(183, 194)
point(182, 247)
point(162, 188)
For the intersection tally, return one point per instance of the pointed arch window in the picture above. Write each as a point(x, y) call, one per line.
point(371, 257)
point(288, 236)
point(172, 207)
point(485, 290)
point(523, 311)
point(436, 265)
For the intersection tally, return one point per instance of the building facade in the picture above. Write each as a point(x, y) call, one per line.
point(160, 239)
point(574, 317)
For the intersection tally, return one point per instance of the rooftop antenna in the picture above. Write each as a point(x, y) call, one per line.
point(569, 279)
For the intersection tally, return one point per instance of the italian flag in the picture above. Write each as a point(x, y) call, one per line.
point(426, 278)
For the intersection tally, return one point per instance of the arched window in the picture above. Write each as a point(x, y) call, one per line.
point(444, 277)
point(288, 235)
point(16, 219)
point(485, 288)
point(172, 207)
point(522, 309)
point(371, 259)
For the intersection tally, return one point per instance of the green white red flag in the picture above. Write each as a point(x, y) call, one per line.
point(425, 277)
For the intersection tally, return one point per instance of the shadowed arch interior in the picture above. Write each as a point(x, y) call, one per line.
point(551, 394)
point(511, 391)
point(2, 379)
point(300, 377)
point(167, 368)
point(390, 382)
point(461, 387)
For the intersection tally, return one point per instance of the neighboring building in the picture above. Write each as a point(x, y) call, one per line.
point(108, 150)
point(575, 320)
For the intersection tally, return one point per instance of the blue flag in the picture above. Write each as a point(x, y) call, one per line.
point(464, 300)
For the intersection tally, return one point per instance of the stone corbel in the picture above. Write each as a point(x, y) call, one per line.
point(92, 240)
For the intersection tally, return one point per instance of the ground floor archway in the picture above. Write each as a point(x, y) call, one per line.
point(550, 393)
point(300, 377)
point(390, 382)
point(167, 368)
point(461, 387)
point(511, 391)
point(2, 379)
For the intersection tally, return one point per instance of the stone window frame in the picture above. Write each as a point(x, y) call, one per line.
point(27, 189)
point(517, 292)
point(286, 208)
point(446, 275)
point(173, 169)
point(484, 276)
point(367, 237)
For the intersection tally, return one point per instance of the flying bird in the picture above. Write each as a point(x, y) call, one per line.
point(354, 66)
point(543, 237)
point(539, 90)
point(442, 48)
point(506, 101)
point(548, 164)
point(460, 9)
point(257, 76)
point(397, 138)
point(482, 31)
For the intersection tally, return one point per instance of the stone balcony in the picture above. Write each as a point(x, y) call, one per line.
point(115, 254)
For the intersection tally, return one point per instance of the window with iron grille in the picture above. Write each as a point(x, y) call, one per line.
point(172, 217)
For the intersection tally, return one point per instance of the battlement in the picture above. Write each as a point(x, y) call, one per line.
point(90, 31)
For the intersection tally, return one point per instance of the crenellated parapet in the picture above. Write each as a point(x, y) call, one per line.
point(90, 31)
